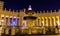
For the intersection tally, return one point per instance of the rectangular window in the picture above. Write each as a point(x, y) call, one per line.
point(14, 21)
point(56, 21)
point(2, 20)
point(2, 17)
point(10, 21)
point(17, 21)
point(6, 20)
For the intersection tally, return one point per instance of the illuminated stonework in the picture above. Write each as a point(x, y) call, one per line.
point(30, 23)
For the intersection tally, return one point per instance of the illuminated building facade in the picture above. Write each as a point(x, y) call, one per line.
point(28, 21)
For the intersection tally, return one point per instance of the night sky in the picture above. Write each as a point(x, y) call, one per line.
point(37, 5)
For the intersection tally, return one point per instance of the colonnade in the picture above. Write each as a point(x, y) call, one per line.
point(9, 22)
point(44, 24)
point(40, 23)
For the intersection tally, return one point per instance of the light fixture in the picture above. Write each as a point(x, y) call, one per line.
point(2, 20)
point(7, 16)
point(58, 23)
point(10, 16)
point(14, 16)
point(14, 22)
point(2, 15)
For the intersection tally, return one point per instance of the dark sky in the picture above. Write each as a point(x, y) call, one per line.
point(37, 5)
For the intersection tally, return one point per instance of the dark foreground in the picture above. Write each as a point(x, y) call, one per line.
point(31, 35)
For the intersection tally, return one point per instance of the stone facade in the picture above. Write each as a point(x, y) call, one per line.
point(15, 21)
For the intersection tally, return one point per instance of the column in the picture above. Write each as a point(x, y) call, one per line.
point(16, 26)
point(45, 24)
point(42, 21)
point(59, 25)
point(51, 22)
point(13, 28)
point(54, 21)
point(2, 22)
point(46, 21)
point(7, 26)
point(56, 29)
point(0, 25)
point(39, 21)
point(4, 27)
point(42, 24)
point(44, 30)
point(21, 22)
point(18, 22)
point(7, 31)
point(11, 25)
point(13, 31)
point(36, 22)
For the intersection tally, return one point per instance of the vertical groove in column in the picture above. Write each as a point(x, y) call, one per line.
point(46, 22)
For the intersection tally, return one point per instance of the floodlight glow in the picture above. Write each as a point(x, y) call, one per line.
point(29, 7)
point(14, 23)
point(2, 20)
point(7, 16)
point(10, 16)
point(14, 16)
point(58, 23)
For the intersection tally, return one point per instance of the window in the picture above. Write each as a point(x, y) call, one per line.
point(6, 20)
point(56, 21)
point(14, 21)
point(2, 21)
point(10, 21)
point(2, 17)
